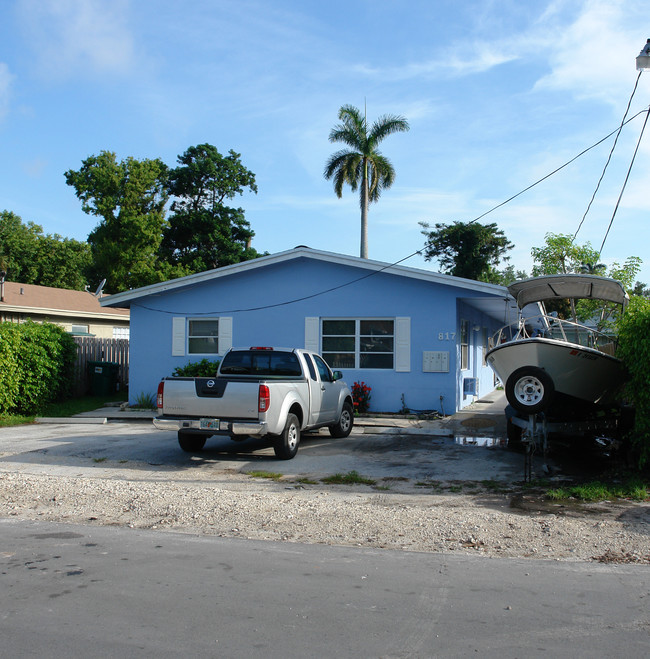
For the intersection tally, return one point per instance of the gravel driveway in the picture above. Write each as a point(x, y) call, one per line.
point(427, 490)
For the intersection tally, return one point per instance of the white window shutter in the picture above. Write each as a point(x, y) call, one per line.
point(225, 334)
point(312, 333)
point(403, 344)
point(178, 336)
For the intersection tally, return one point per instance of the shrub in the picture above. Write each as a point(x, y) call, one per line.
point(634, 350)
point(37, 365)
point(361, 397)
point(203, 369)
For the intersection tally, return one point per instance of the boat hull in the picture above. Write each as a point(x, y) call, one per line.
point(574, 370)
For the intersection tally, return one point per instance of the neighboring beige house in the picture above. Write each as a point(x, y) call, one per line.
point(78, 312)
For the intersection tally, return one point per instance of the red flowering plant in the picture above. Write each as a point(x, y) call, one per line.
point(361, 397)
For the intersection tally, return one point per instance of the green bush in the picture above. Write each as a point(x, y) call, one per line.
point(634, 350)
point(36, 366)
point(203, 369)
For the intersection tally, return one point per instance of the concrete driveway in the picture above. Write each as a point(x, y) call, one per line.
point(469, 446)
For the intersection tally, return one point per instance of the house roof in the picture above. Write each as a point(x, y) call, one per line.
point(26, 298)
point(125, 298)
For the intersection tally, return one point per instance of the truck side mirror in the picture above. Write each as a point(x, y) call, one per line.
point(337, 375)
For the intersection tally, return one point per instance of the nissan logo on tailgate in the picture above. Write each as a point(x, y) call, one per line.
point(210, 384)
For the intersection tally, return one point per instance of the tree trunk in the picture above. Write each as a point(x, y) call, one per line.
point(364, 213)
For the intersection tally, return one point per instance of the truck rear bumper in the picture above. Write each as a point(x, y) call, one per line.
point(253, 428)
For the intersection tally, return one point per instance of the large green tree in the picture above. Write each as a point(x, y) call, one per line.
point(560, 255)
point(466, 249)
point(203, 232)
point(362, 165)
point(30, 256)
point(129, 199)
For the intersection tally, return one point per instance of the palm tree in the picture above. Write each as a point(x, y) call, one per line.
point(362, 165)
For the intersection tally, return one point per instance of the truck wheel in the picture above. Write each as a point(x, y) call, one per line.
point(286, 444)
point(530, 389)
point(191, 442)
point(343, 427)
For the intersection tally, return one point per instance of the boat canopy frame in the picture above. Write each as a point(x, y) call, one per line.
point(558, 287)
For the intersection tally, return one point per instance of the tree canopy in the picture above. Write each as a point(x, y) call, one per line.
point(129, 198)
point(204, 233)
point(362, 165)
point(466, 249)
point(30, 256)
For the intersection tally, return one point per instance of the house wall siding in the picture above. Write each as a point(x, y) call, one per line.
point(269, 306)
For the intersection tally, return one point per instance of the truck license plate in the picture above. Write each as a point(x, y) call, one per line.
point(209, 424)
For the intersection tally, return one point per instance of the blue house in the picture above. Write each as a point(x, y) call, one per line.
point(417, 338)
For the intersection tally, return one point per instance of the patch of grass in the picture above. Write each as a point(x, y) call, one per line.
point(381, 487)
point(271, 475)
point(351, 478)
point(495, 486)
point(7, 420)
point(633, 488)
point(307, 481)
point(99, 459)
point(435, 485)
point(456, 488)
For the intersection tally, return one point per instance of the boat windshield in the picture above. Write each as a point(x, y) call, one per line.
point(549, 327)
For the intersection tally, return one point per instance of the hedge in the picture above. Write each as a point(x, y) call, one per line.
point(634, 350)
point(36, 366)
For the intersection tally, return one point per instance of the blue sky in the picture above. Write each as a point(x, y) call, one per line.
point(498, 94)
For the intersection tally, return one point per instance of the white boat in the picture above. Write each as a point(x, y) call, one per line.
point(541, 356)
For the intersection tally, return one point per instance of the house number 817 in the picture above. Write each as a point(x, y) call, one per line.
point(446, 336)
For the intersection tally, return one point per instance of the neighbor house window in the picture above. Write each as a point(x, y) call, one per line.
point(80, 329)
point(358, 343)
point(203, 337)
point(464, 344)
point(120, 332)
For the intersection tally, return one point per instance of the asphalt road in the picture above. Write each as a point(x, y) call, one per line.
point(73, 591)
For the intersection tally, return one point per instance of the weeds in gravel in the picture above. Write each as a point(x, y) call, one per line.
point(99, 459)
point(351, 478)
point(434, 485)
point(634, 488)
point(307, 481)
point(272, 475)
point(496, 486)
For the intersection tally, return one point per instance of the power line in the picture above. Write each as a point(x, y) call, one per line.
point(390, 265)
point(611, 152)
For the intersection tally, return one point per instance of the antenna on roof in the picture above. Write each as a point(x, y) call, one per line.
point(100, 288)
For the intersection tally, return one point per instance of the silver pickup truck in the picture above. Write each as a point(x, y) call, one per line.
point(257, 391)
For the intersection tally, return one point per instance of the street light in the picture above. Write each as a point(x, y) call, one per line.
point(643, 59)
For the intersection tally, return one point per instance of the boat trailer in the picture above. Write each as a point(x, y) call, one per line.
point(532, 433)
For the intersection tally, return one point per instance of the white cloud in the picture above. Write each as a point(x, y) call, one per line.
point(72, 36)
point(593, 57)
point(5, 89)
point(458, 61)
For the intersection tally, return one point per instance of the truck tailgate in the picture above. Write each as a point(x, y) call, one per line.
point(211, 397)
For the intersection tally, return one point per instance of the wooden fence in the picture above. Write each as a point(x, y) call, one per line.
point(91, 349)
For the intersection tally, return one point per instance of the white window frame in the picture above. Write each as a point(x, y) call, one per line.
point(357, 341)
point(180, 339)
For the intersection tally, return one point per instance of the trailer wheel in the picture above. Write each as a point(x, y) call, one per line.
point(191, 442)
point(530, 389)
point(286, 444)
point(343, 427)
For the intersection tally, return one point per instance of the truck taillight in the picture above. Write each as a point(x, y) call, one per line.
point(264, 399)
point(159, 395)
